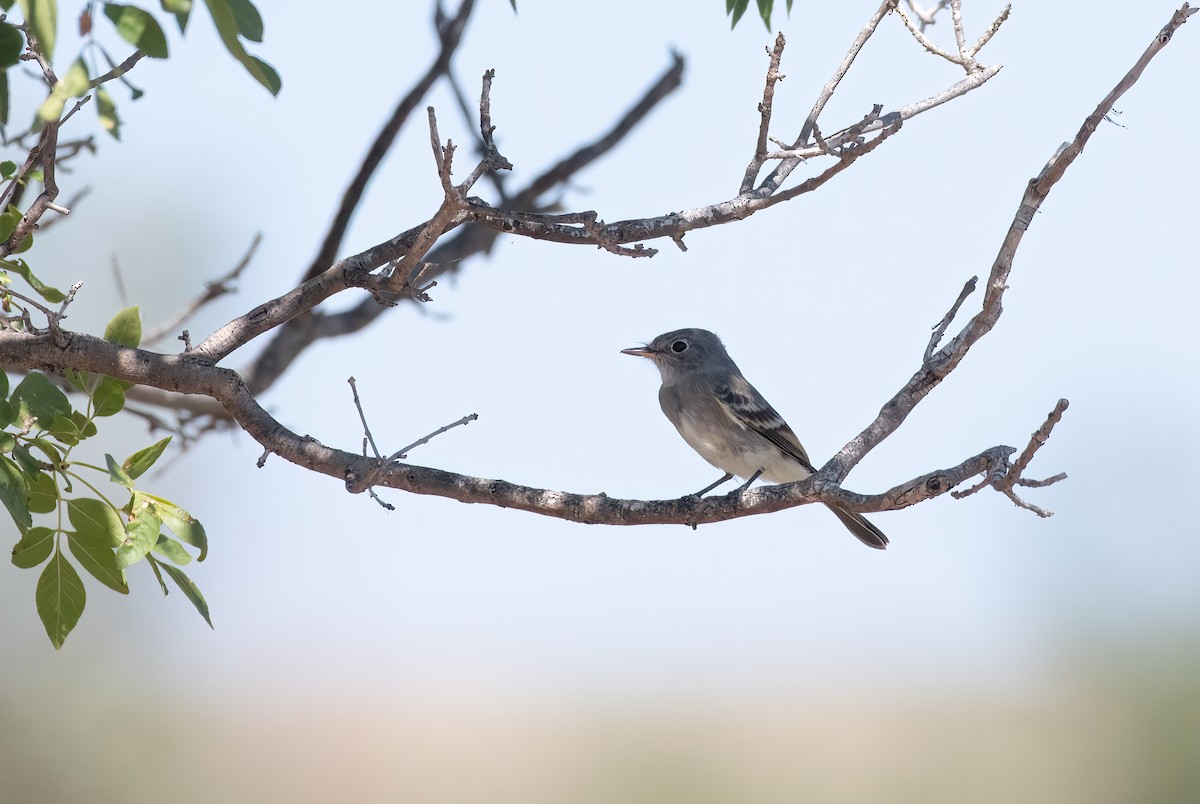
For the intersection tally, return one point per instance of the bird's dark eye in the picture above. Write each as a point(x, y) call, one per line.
point(679, 346)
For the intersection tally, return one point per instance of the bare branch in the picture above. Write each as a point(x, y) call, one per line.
point(776, 178)
point(119, 70)
point(971, 82)
point(927, 16)
point(1063, 159)
point(1036, 442)
point(186, 375)
point(402, 453)
point(450, 35)
point(764, 111)
point(939, 365)
point(923, 40)
point(300, 331)
point(960, 37)
point(991, 30)
point(194, 373)
point(940, 328)
point(362, 417)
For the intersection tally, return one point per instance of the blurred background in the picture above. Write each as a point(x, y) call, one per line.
point(452, 653)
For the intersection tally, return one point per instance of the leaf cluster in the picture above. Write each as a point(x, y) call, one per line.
point(736, 8)
point(237, 22)
point(40, 430)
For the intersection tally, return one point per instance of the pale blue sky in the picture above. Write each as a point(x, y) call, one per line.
point(825, 302)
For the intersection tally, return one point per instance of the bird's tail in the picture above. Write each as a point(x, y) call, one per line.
point(857, 524)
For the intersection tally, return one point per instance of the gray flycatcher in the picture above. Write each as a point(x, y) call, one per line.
point(725, 419)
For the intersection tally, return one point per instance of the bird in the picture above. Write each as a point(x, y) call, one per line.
point(728, 422)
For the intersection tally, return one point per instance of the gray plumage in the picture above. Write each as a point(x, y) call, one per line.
point(728, 422)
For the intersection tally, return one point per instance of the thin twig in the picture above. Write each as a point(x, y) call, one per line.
point(776, 177)
point(940, 329)
point(991, 30)
point(119, 70)
point(213, 289)
point(1036, 442)
point(960, 36)
point(764, 111)
point(402, 453)
point(925, 41)
point(939, 365)
point(362, 417)
point(449, 35)
point(927, 16)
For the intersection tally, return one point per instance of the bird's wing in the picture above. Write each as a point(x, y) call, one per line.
point(746, 406)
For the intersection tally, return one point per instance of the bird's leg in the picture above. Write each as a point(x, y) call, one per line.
point(746, 485)
point(710, 487)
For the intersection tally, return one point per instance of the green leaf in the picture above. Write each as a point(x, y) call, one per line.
point(270, 76)
point(29, 464)
point(764, 11)
point(64, 430)
point(13, 493)
point(513, 3)
point(141, 534)
point(109, 396)
point(37, 396)
point(138, 28)
point(181, 9)
point(60, 598)
point(736, 8)
point(8, 413)
point(87, 427)
point(116, 474)
point(20, 267)
point(249, 21)
point(137, 463)
point(3, 384)
point(35, 547)
point(72, 85)
point(106, 110)
point(154, 565)
point(125, 328)
point(96, 556)
point(80, 380)
point(97, 520)
point(227, 26)
point(11, 45)
point(43, 494)
point(7, 442)
point(190, 591)
point(172, 550)
point(182, 524)
point(42, 17)
point(47, 448)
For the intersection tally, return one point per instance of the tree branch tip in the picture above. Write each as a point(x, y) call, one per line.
point(1037, 484)
point(387, 506)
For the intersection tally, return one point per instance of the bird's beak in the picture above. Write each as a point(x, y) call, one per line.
point(640, 351)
